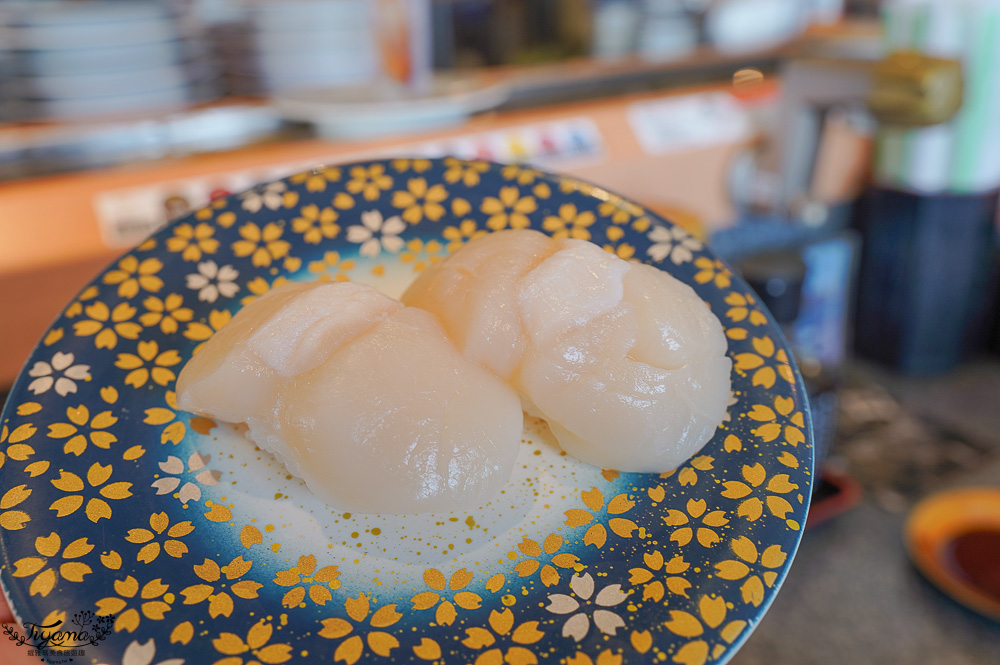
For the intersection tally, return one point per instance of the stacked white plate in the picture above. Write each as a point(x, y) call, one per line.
point(616, 23)
point(384, 108)
point(92, 58)
point(303, 44)
point(667, 32)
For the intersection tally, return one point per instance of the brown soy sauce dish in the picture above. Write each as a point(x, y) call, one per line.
point(953, 537)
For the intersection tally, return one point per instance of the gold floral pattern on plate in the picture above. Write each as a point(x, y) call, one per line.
point(206, 550)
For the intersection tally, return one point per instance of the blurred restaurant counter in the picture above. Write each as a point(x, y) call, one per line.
point(853, 595)
point(58, 231)
point(667, 132)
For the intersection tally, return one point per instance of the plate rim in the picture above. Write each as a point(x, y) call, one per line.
point(585, 187)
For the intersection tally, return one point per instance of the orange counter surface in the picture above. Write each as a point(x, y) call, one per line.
point(54, 230)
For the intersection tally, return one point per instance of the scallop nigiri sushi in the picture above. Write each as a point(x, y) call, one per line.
point(365, 399)
point(626, 363)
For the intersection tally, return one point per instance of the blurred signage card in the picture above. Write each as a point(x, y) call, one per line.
point(572, 142)
point(688, 122)
point(126, 216)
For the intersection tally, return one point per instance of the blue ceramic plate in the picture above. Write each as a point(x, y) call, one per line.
point(195, 545)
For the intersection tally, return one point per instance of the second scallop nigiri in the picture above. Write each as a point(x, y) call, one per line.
point(626, 363)
point(367, 400)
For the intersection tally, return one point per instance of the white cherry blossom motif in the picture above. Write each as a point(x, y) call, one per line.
point(674, 242)
point(269, 196)
point(60, 372)
point(211, 281)
point(144, 653)
point(578, 625)
point(190, 490)
point(375, 234)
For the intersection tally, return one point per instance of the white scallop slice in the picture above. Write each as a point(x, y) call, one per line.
point(625, 362)
point(616, 411)
point(474, 292)
point(367, 400)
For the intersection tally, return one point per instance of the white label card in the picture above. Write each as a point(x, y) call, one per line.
point(680, 123)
